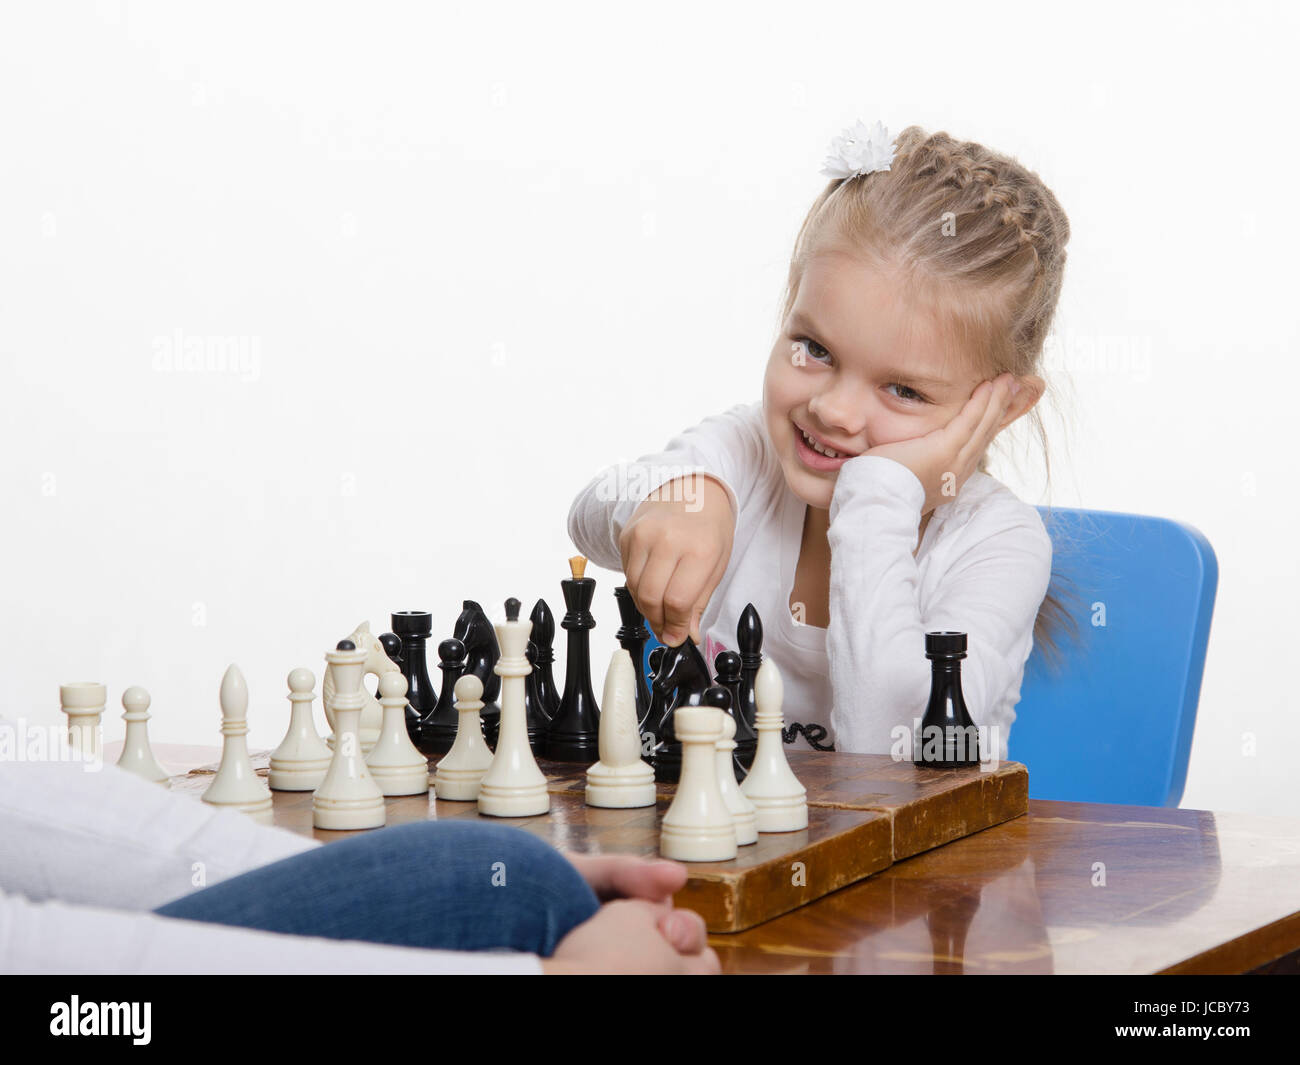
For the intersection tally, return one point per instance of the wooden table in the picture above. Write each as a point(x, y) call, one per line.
point(1067, 888)
point(1186, 891)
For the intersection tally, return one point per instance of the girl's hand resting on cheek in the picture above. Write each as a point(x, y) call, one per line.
point(944, 458)
point(675, 550)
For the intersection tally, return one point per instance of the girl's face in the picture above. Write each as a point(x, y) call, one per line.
point(853, 367)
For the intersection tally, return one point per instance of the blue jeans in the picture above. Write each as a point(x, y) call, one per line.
point(450, 885)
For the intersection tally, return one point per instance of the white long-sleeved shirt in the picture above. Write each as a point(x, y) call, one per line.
point(982, 568)
point(85, 855)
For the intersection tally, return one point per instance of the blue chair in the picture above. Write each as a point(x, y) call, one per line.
point(1114, 722)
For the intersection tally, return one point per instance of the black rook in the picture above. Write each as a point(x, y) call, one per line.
point(948, 738)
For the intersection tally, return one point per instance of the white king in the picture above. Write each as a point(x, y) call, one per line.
point(513, 786)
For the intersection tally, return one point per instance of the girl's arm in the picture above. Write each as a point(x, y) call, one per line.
point(880, 676)
point(729, 447)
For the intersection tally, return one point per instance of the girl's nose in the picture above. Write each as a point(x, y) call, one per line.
point(843, 410)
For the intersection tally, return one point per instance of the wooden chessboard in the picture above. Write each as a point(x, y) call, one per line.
point(864, 813)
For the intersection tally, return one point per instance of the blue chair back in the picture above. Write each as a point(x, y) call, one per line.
point(1114, 723)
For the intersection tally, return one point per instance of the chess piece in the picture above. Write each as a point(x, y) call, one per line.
point(395, 762)
point(620, 779)
point(698, 826)
point(749, 640)
point(460, 772)
point(632, 637)
point(655, 710)
point(574, 734)
point(83, 702)
point(438, 728)
point(543, 638)
point(780, 801)
point(237, 784)
point(948, 739)
point(742, 810)
point(137, 755)
point(300, 762)
point(413, 628)
point(348, 797)
point(683, 671)
point(475, 631)
point(513, 786)
point(392, 645)
point(535, 715)
point(377, 663)
point(728, 669)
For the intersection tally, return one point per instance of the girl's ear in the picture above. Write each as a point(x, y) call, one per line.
point(1031, 391)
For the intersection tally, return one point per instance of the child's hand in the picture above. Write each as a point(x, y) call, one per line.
point(945, 458)
point(675, 549)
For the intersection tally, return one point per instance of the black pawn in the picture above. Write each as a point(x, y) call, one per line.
point(632, 636)
point(749, 639)
point(482, 653)
point(727, 666)
point(719, 695)
point(539, 721)
point(956, 744)
point(574, 732)
point(412, 628)
point(683, 671)
point(543, 639)
point(438, 727)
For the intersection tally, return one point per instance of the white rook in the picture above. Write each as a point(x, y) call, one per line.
point(83, 702)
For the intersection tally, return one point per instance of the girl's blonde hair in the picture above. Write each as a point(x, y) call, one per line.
point(979, 242)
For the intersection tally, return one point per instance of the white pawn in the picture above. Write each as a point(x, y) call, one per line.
point(698, 826)
point(83, 702)
point(394, 761)
point(300, 762)
point(137, 756)
point(742, 810)
point(620, 779)
point(780, 801)
point(348, 797)
point(513, 786)
point(460, 771)
point(237, 784)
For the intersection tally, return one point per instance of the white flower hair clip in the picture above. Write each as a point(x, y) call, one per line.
point(859, 150)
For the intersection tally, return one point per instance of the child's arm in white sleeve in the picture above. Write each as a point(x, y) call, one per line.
point(109, 838)
point(880, 676)
point(53, 937)
point(729, 447)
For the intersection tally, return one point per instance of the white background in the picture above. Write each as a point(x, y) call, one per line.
point(472, 254)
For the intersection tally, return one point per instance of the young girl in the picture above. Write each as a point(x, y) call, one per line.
point(851, 506)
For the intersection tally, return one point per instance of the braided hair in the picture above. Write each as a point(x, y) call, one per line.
point(979, 242)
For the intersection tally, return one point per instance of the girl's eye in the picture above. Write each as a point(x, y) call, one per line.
point(815, 350)
point(910, 395)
